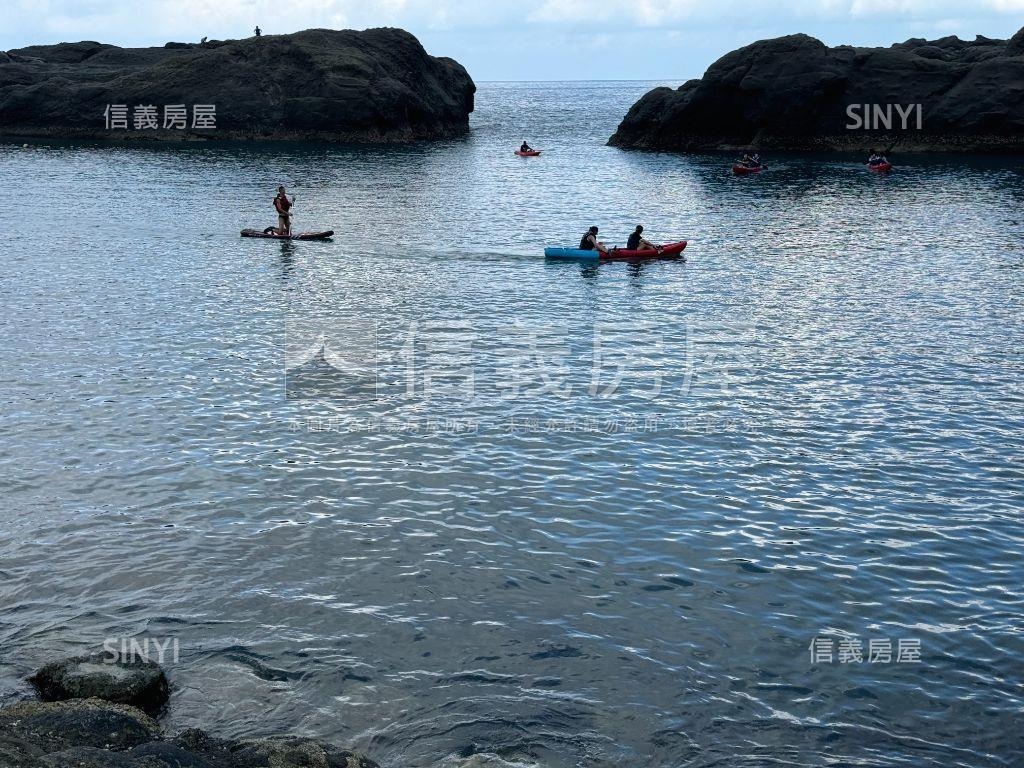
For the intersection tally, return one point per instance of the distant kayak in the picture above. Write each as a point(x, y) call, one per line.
point(528, 153)
point(742, 169)
point(300, 236)
point(670, 251)
point(880, 167)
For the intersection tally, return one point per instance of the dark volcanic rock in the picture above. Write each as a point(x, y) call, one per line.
point(133, 681)
point(794, 92)
point(97, 734)
point(40, 728)
point(93, 733)
point(376, 85)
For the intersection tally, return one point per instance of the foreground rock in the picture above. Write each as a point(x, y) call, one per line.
point(91, 733)
point(376, 85)
point(795, 93)
point(94, 733)
point(134, 681)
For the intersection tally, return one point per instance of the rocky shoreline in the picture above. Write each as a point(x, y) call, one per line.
point(378, 85)
point(100, 712)
point(794, 93)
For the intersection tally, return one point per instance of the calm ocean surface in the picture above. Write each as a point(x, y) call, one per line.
point(580, 516)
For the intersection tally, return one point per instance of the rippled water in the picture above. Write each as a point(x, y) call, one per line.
point(611, 535)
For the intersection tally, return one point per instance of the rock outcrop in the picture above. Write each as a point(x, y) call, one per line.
point(98, 733)
point(122, 680)
point(375, 85)
point(795, 93)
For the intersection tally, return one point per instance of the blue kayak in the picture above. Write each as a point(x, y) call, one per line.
point(670, 251)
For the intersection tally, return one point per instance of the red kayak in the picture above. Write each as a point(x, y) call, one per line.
point(672, 250)
point(300, 236)
point(528, 153)
point(880, 167)
point(742, 169)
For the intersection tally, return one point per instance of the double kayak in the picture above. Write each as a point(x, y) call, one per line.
point(528, 153)
point(741, 169)
point(880, 167)
point(670, 251)
point(325, 235)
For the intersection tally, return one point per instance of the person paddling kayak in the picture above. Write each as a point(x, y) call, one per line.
point(637, 242)
point(589, 242)
point(283, 207)
point(877, 159)
point(525, 148)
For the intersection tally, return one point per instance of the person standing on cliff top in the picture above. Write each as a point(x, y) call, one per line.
point(257, 31)
point(283, 207)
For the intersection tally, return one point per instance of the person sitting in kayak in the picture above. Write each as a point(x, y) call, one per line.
point(877, 159)
point(589, 241)
point(525, 148)
point(750, 162)
point(756, 159)
point(283, 205)
point(637, 242)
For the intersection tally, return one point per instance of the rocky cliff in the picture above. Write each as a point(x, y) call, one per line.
point(376, 85)
point(795, 93)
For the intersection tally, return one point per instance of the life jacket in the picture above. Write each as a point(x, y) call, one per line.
point(282, 204)
point(585, 244)
point(633, 242)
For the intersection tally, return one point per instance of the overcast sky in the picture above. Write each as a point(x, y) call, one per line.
point(528, 39)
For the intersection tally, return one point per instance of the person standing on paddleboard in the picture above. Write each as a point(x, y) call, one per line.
point(283, 205)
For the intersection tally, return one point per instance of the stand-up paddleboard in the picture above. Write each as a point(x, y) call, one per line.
point(326, 235)
point(670, 251)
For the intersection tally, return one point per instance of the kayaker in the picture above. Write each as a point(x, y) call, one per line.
point(877, 159)
point(589, 241)
point(756, 158)
point(283, 207)
point(525, 148)
point(749, 162)
point(636, 241)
